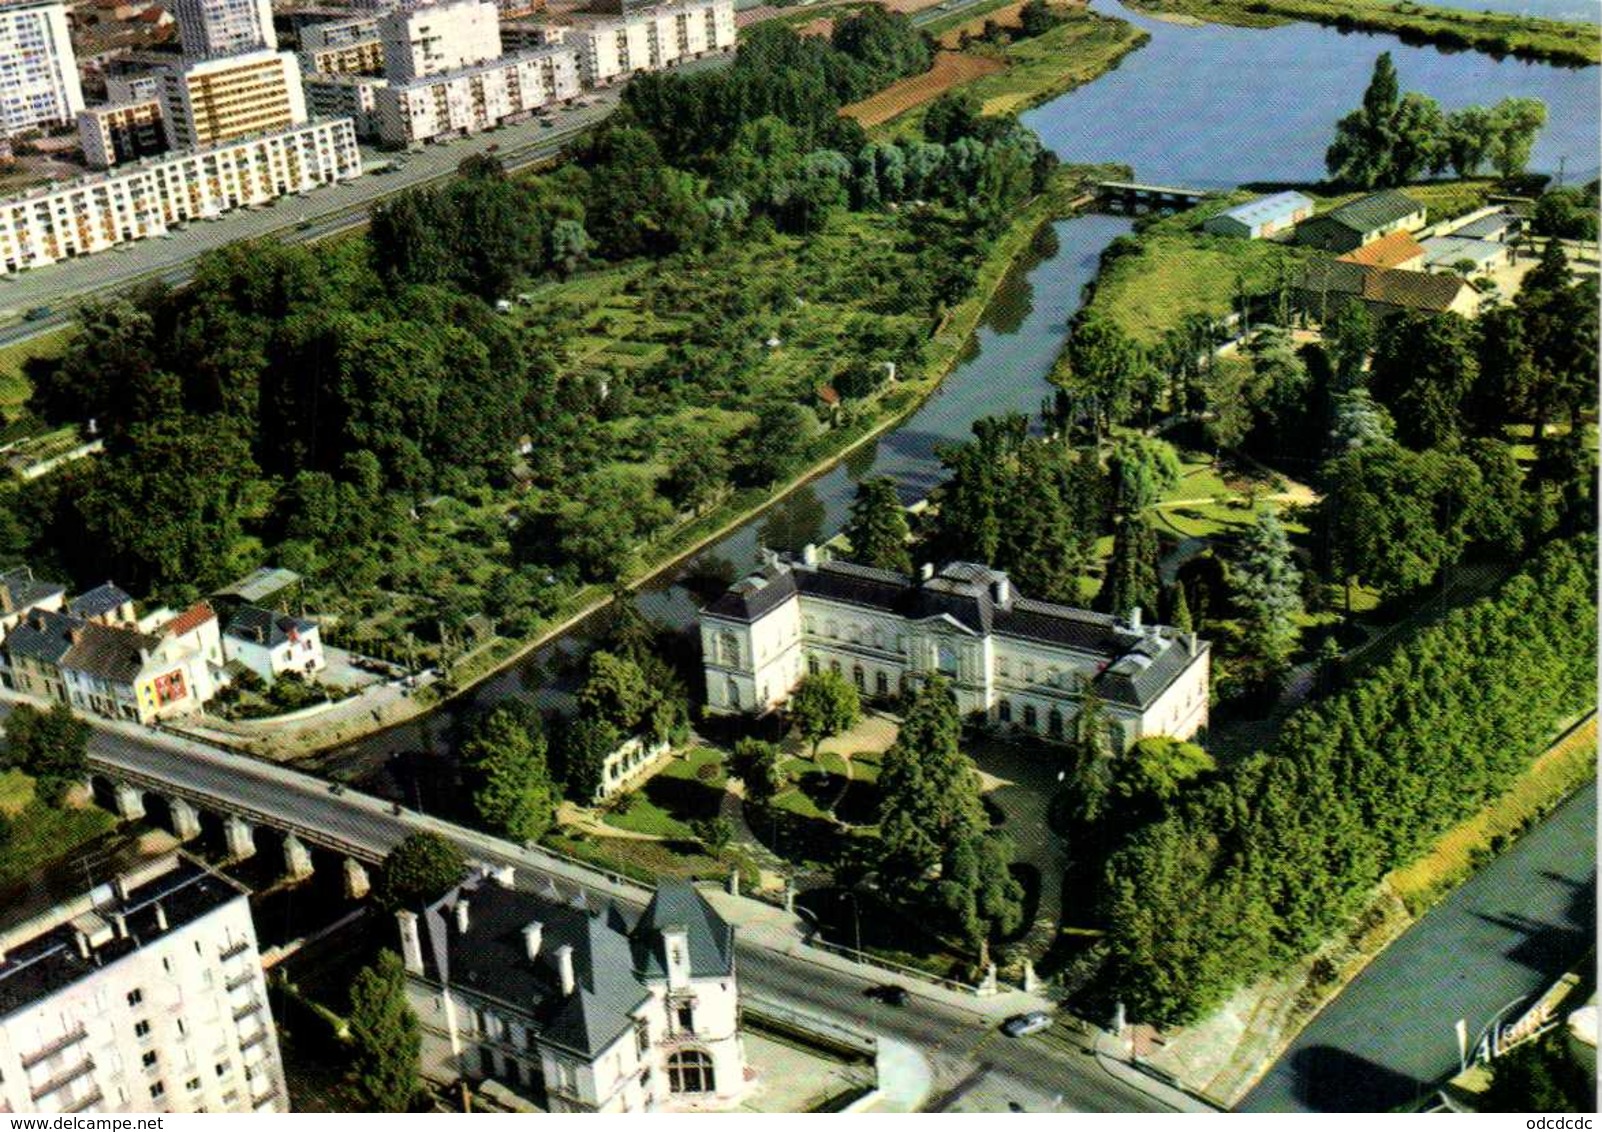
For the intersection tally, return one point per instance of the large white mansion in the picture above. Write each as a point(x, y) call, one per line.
point(1020, 663)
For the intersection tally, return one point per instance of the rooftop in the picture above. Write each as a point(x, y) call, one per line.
point(42, 635)
point(103, 599)
point(111, 653)
point(267, 627)
point(981, 601)
point(1264, 209)
point(1387, 251)
point(1448, 250)
point(19, 589)
point(43, 958)
point(189, 620)
point(1376, 211)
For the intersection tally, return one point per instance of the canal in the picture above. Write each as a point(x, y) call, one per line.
point(1205, 105)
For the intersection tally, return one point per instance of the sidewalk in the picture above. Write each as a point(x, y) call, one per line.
point(1113, 1059)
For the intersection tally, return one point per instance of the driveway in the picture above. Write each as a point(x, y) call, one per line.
point(1021, 780)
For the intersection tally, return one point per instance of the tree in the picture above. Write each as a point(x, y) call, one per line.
point(386, 1040)
point(823, 705)
point(775, 447)
point(1179, 614)
point(1349, 334)
point(952, 116)
point(585, 744)
point(979, 891)
point(714, 833)
point(1514, 122)
point(1157, 768)
point(758, 765)
point(1131, 582)
point(418, 871)
point(1100, 372)
point(1144, 469)
point(1470, 136)
point(616, 691)
point(1540, 1076)
point(929, 790)
point(505, 771)
point(1361, 152)
point(1357, 421)
point(1424, 368)
point(1268, 588)
point(877, 526)
point(52, 746)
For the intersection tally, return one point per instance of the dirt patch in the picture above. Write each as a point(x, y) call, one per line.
point(950, 69)
point(822, 26)
point(1003, 17)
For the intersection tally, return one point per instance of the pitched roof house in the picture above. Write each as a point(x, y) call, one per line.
point(1362, 222)
point(1326, 284)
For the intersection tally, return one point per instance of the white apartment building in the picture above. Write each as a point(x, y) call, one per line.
point(145, 995)
point(653, 39)
point(214, 29)
point(121, 132)
point(38, 73)
point(147, 199)
point(222, 100)
point(577, 1009)
point(338, 33)
point(133, 86)
point(1017, 662)
point(421, 39)
point(345, 96)
point(468, 101)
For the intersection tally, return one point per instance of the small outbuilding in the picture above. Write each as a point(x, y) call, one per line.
point(1262, 217)
point(1464, 255)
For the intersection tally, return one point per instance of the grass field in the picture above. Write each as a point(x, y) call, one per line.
point(1559, 771)
point(14, 388)
point(686, 789)
point(40, 834)
point(1496, 33)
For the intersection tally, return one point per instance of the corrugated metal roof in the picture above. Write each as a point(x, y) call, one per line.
point(1264, 210)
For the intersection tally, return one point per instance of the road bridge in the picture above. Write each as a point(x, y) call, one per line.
point(1132, 196)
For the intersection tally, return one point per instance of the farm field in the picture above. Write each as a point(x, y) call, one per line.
point(951, 69)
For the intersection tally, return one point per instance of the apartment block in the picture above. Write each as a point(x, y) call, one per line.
point(40, 75)
point(422, 39)
point(221, 100)
point(121, 132)
point(652, 39)
point(345, 96)
point(215, 29)
point(62, 222)
point(471, 100)
point(145, 995)
point(345, 47)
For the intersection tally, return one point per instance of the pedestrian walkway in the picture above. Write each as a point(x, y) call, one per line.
point(1113, 1060)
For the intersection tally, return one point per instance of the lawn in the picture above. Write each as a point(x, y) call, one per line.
point(39, 834)
point(14, 387)
point(688, 788)
point(1562, 769)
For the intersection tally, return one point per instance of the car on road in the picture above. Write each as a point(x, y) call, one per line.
point(888, 993)
point(1022, 1025)
point(35, 314)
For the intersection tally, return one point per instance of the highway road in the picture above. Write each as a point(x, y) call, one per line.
point(975, 1067)
point(1503, 937)
point(317, 215)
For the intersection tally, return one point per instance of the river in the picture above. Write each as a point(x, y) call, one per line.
point(1207, 105)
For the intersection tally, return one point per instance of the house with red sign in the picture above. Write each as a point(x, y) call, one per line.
point(123, 673)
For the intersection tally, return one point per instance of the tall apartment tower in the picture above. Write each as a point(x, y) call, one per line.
point(214, 101)
point(146, 995)
point(431, 38)
point(213, 29)
point(38, 73)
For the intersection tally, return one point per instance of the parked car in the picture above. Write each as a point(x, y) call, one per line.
point(888, 993)
point(1022, 1025)
point(34, 314)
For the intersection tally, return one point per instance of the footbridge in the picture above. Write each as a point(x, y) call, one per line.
point(1132, 196)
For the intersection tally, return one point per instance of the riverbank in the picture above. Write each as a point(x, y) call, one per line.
point(1494, 33)
point(945, 350)
point(1034, 71)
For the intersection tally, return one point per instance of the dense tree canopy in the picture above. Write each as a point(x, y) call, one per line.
point(385, 1038)
point(505, 772)
point(419, 870)
point(52, 746)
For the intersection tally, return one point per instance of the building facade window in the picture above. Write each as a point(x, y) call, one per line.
point(1054, 724)
point(859, 678)
point(728, 649)
point(881, 684)
point(1004, 711)
point(812, 665)
point(733, 691)
point(690, 1071)
point(1031, 718)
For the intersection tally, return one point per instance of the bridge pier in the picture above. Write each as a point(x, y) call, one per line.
point(297, 858)
point(240, 838)
point(357, 883)
point(129, 801)
point(185, 818)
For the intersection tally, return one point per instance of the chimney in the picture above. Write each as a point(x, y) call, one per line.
point(564, 964)
point(411, 942)
point(1003, 591)
point(1134, 619)
point(926, 571)
point(506, 877)
point(532, 935)
point(461, 915)
point(83, 944)
point(161, 917)
point(809, 554)
point(121, 921)
point(1192, 645)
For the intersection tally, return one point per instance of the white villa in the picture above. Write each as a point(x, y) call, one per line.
point(1020, 663)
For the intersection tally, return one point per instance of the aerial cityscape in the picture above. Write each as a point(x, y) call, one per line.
point(779, 556)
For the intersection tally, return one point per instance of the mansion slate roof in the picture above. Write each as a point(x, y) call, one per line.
point(23, 590)
point(43, 635)
point(1137, 663)
point(490, 958)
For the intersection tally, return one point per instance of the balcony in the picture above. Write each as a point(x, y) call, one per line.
point(236, 950)
point(246, 1011)
point(238, 981)
point(66, 1041)
point(64, 1078)
point(253, 1041)
point(95, 1097)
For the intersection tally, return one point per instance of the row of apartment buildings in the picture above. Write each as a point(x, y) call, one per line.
point(95, 652)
